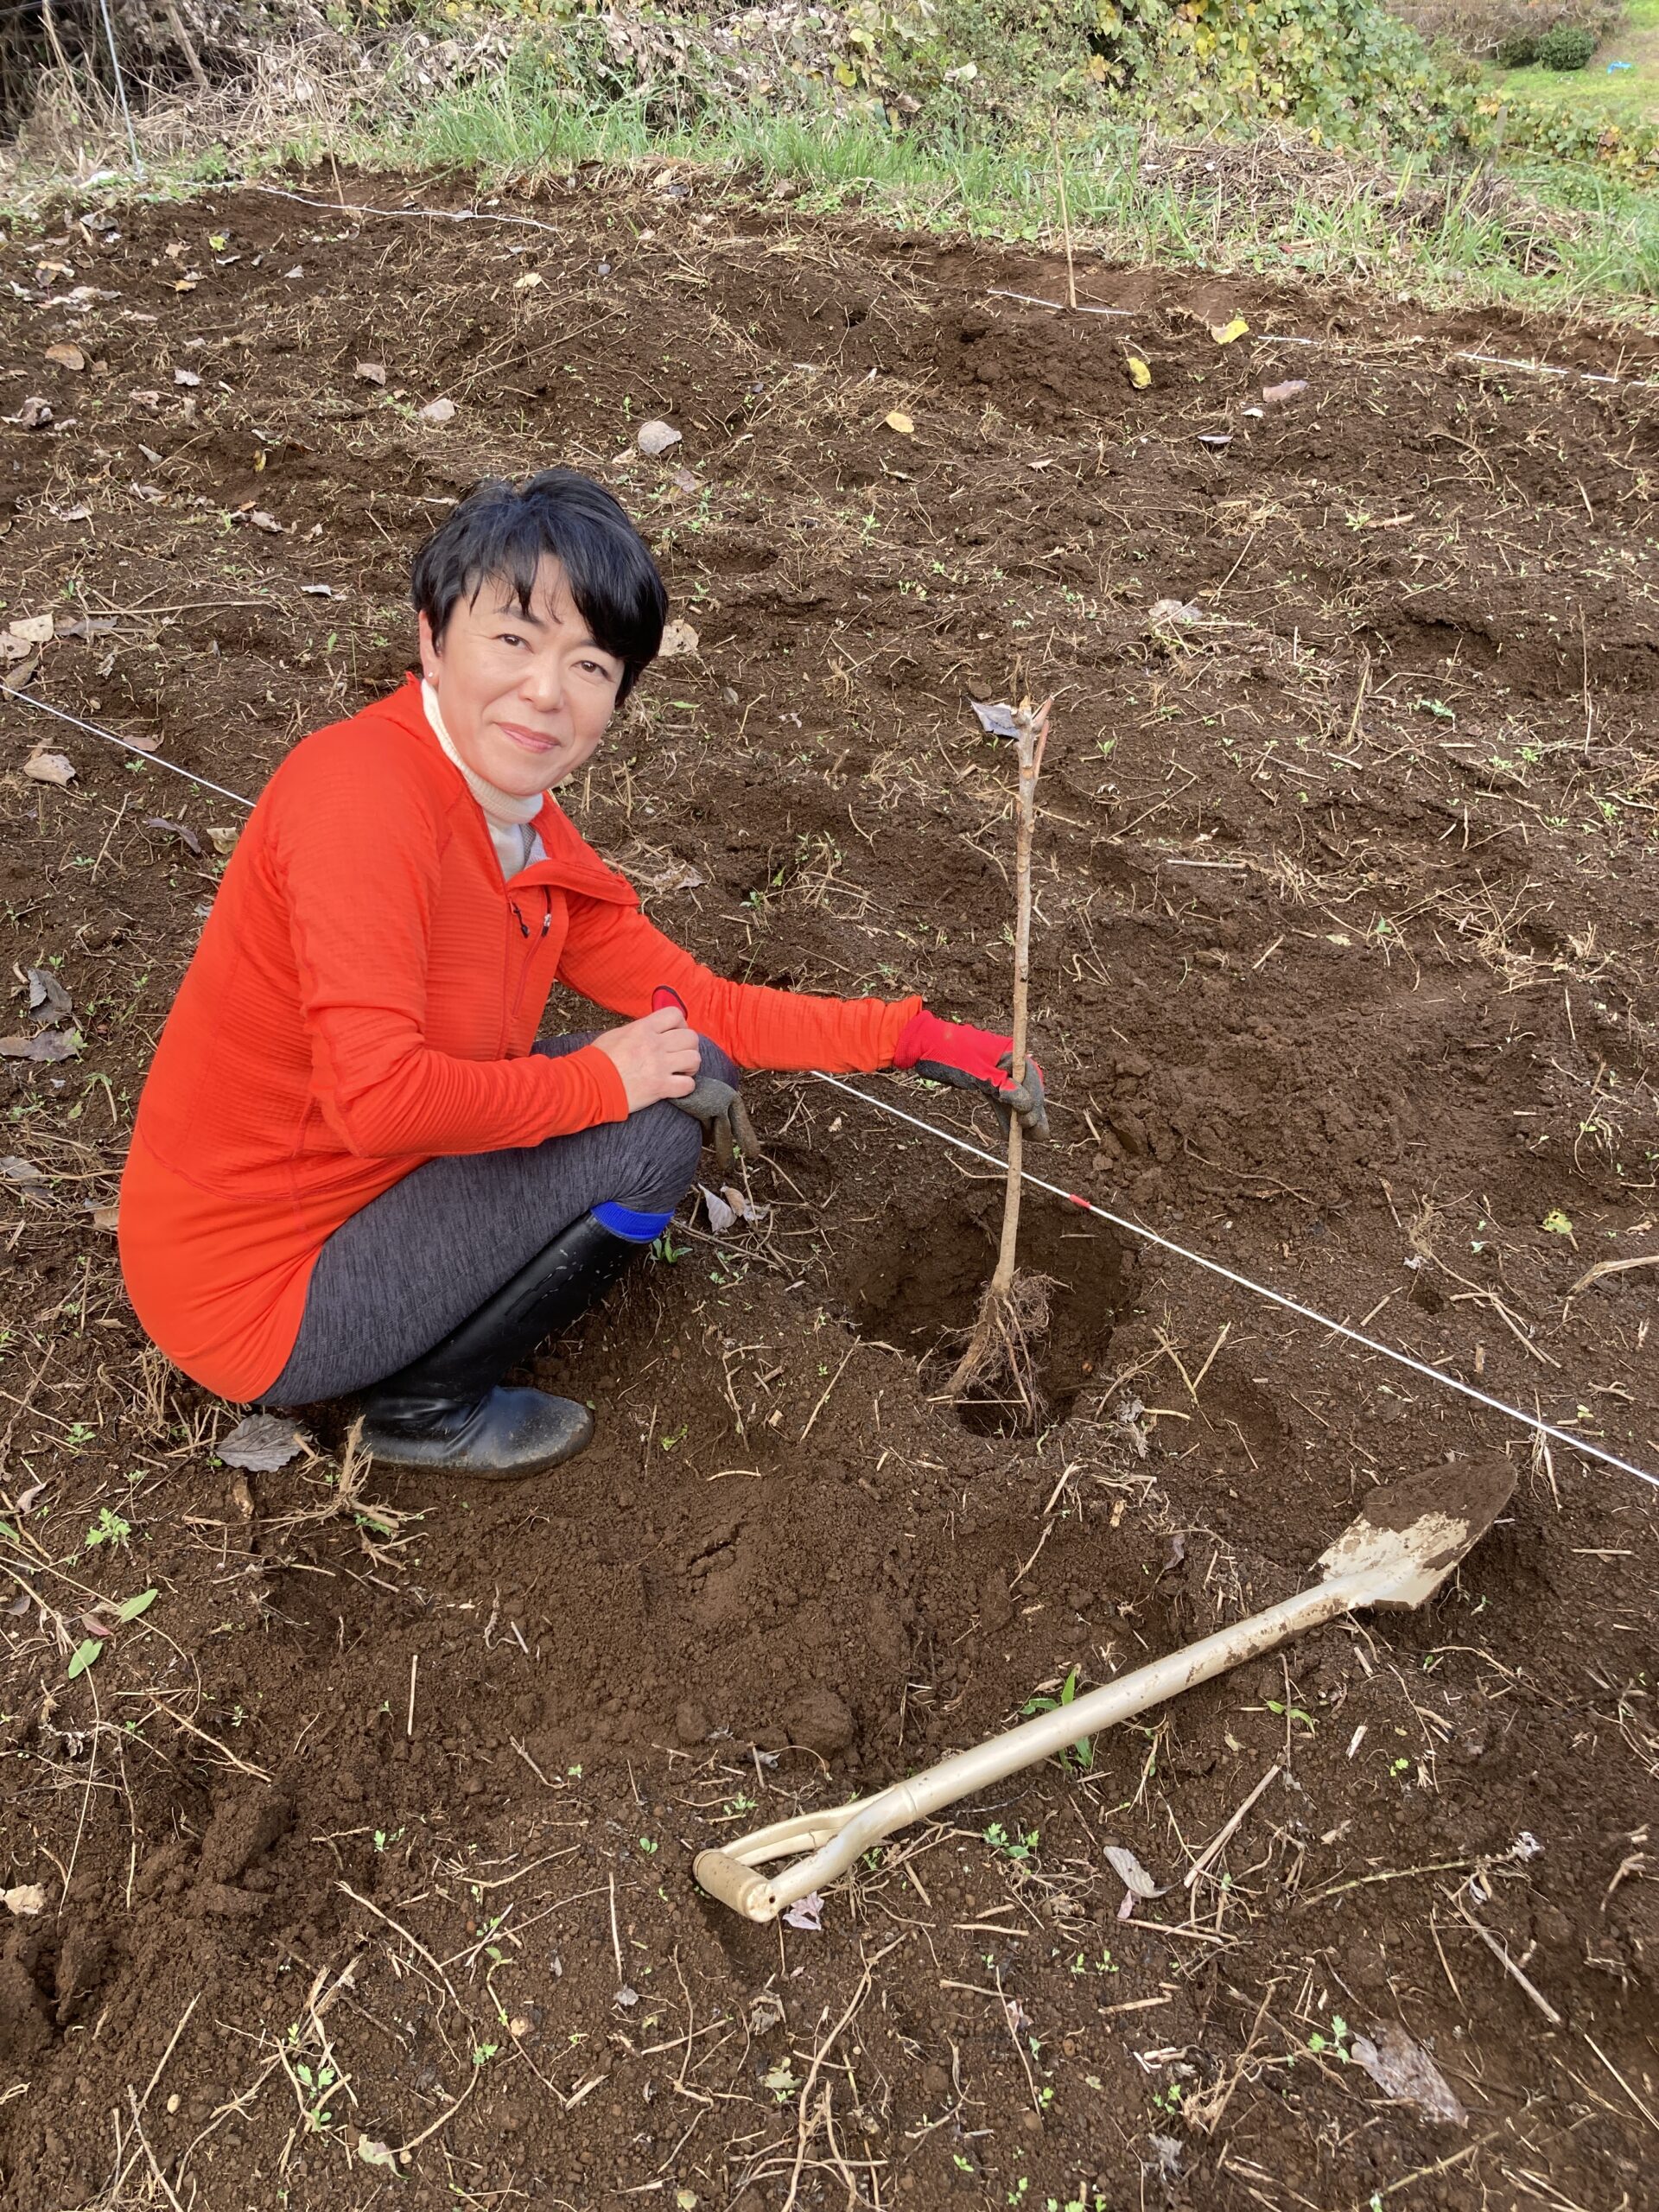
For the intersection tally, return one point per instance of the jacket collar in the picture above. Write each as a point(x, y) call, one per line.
point(571, 861)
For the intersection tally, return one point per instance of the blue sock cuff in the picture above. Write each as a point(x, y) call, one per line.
point(634, 1228)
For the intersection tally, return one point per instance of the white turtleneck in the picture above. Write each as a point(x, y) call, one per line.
point(507, 816)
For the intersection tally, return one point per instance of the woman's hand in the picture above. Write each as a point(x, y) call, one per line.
point(656, 1057)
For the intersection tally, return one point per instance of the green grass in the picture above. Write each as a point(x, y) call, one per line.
point(1627, 96)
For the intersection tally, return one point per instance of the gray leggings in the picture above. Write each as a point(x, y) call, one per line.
point(397, 1276)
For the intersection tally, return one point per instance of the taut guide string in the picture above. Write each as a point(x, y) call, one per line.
point(1055, 1189)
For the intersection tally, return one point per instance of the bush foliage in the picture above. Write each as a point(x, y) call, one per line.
point(1566, 48)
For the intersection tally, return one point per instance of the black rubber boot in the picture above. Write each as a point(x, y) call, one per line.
point(447, 1411)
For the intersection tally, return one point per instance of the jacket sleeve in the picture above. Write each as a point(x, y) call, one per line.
point(614, 956)
point(360, 913)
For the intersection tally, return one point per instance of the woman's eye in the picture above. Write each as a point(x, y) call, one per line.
point(510, 637)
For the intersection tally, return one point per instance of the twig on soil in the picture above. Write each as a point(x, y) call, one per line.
point(143, 2145)
point(1012, 1312)
point(1223, 1835)
point(616, 1939)
point(397, 1929)
point(1508, 1964)
point(804, 2131)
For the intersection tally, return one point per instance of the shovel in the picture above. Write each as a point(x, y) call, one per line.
point(1400, 1550)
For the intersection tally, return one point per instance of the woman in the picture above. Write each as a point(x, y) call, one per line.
point(352, 1170)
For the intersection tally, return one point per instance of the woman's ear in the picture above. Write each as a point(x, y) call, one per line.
point(430, 652)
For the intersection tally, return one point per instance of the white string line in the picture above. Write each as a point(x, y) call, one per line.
point(397, 214)
point(23, 699)
point(120, 86)
point(1071, 1198)
point(1274, 1297)
point(1353, 353)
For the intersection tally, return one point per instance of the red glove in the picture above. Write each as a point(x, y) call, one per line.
point(974, 1059)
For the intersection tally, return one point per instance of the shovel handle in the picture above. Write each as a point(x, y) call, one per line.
point(731, 1875)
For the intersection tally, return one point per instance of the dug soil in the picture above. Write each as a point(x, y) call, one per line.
point(355, 1868)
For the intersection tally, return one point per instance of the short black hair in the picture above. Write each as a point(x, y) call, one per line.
point(500, 533)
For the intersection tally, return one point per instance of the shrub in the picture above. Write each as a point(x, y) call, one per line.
point(1516, 50)
point(1566, 48)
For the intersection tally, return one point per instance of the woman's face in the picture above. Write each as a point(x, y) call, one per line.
point(525, 697)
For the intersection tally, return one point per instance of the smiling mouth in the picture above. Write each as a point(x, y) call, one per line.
point(532, 740)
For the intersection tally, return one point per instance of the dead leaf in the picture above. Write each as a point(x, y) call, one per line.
point(186, 377)
point(901, 422)
point(107, 1219)
point(262, 1443)
point(66, 357)
point(35, 629)
point(529, 278)
point(27, 1498)
point(17, 674)
point(34, 414)
point(318, 591)
point(263, 520)
point(73, 514)
point(27, 1898)
point(1403, 2069)
point(1139, 373)
point(1164, 614)
point(1133, 1875)
point(45, 991)
point(1226, 332)
point(44, 767)
point(1214, 439)
point(46, 1047)
point(807, 1913)
point(223, 840)
point(766, 2013)
point(151, 494)
point(376, 2154)
point(720, 1215)
point(1280, 394)
point(995, 717)
point(679, 639)
point(14, 1170)
point(438, 410)
point(656, 437)
point(370, 373)
point(683, 479)
point(182, 830)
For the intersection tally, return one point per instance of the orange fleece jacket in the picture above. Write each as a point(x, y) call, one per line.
point(363, 998)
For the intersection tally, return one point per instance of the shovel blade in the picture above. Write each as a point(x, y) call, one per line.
point(1412, 1533)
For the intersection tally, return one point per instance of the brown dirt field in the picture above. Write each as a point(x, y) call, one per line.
point(380, 1834)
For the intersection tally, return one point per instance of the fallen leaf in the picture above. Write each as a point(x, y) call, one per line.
point(182, 830)
point(529, 278)
point(1164, 612)
point(27, 1498)
point(73, 514)
point(151, 494)
point(720, 1215)
point(108, 1218)
point(766, 2013)
point(995, 717)
point(35, 629)
point(1226, 332)
point(187, 377)
point(1403, 2069)
point(438, 410)
point(13, 648)
point(1133, 1875)
point(781, 2078)
point(217, 241)
point(1214, 439)
point(318, 591)
point(47, 1046)
point(901, 422)
point(20, 673)
point(14, 1170)
point(189, 283)
point(298, 270)
point(94, 1626)
point(370, 371)
point(85, 1655)
point(376, 2154)
point(46, 991)
point(34, 414)
point(262, 1443)
point(263, 520)
point(223, 840)
point(1280, 394)
point(27, 1898)
point(1139, 373)
point(1557, 1222)
point(683, 479)
point(656, 437)
point(679, 638)
point(66, 357)
point(627, 1998)
point(678, 875)
point(807, 1913)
